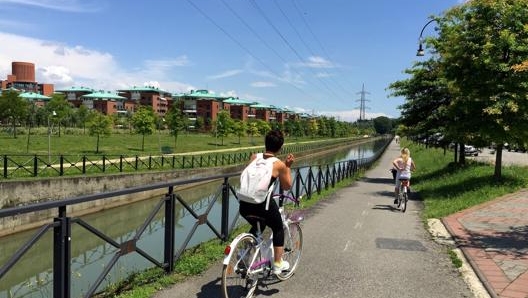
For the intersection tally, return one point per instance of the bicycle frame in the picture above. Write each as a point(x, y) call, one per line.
point(259, 240)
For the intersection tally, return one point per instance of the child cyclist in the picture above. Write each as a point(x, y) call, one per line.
point(404, 166)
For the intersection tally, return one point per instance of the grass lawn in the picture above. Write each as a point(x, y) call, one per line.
point(121, 143)
point(447, 188)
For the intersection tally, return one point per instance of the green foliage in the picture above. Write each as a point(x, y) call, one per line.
point(13, 109)
point(382, 125)
point(447, 188)
point(99, 125)
point(143, 121)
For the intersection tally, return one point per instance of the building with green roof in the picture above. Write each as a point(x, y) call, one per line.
point(158, 99)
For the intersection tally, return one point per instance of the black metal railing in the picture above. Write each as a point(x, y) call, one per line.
point(306, 181)
point(27, 166)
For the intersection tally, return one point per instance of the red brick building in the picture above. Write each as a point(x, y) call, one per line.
point(22, 78)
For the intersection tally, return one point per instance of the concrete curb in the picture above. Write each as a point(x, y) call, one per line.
point(440, 235)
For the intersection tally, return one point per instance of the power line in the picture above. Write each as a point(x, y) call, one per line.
point(242, 46)
point(319, 42)
point(289, 45)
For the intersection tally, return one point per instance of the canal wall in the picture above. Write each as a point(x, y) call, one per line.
point(20, 193)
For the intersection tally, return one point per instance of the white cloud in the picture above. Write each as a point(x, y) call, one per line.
point(65, 65)
point(318, 62)
point(62, 5)
point(262, 84)
point(225, 74)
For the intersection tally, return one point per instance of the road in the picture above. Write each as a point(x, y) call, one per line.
point(508, 158)
point(357, 245)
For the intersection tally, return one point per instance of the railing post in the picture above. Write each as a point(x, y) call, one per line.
point(104, 163)
point(61, 165)
point(309, 182)
point(297, 183)
point(170, 207)
point(121, 163)
point(35, 167)
point(225, 210)
point(84, 164)
point(61, 255)
point(320, 180)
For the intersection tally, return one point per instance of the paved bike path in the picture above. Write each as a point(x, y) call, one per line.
point(356, 244)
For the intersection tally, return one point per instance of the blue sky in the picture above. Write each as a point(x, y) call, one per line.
point(308, 55)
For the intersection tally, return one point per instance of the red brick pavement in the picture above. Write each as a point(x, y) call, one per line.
point(494, 238)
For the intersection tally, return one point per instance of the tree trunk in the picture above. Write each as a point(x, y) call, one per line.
point(497, 175)
point(462, 154)
point(97, 146)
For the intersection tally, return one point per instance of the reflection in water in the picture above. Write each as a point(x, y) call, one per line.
point(32, 275)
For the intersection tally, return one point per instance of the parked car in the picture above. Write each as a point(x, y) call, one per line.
point(470, 150)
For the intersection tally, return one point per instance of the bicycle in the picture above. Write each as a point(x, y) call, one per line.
point(249, 258)
point(403, 194)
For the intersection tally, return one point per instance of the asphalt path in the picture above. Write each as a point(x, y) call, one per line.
point(356, 244)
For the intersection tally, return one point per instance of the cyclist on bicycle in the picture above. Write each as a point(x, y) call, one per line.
point(404, 166)
point(272, 218)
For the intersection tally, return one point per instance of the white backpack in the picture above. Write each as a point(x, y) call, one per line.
point(255, 180)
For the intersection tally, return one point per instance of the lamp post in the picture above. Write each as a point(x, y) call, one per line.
point(49, 136)
point(420, 51)
point(160, 123)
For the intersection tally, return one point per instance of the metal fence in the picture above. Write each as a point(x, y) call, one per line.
point(306, 181)
point(24, 166)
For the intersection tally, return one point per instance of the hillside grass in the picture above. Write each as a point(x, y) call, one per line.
point(446, 187)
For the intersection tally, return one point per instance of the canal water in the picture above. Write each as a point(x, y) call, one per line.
point(32, 276)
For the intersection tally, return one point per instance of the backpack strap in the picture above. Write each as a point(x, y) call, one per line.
point(272, 186)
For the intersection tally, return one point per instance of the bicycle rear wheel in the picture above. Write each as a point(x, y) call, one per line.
point(404, 198)
point(237, 280)
point(293, 243)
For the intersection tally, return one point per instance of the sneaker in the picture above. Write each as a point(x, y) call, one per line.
point(278, 268)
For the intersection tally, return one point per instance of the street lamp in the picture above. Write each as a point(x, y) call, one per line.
point(420, 51)
point(49, 136)
point(160, 124)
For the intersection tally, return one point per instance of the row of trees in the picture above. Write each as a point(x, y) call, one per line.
point(473, 88)
point(16, 111)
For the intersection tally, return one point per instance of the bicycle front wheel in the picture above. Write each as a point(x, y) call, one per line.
point(293, 243)
point(237, 281)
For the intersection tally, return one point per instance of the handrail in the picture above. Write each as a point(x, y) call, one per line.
point(33, 166)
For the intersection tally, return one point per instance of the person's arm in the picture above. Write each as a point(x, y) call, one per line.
point(395, 164)
point(285, 172)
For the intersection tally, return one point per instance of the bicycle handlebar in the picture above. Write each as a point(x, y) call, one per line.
point(283, 196)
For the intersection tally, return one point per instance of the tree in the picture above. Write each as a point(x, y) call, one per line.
point(484, 54)
point(176, 121)
point(143, 122)
point(13, 109)
point(239, 129)
point(82, 115)
point(382, 125)
point(252, 130)
point(99, 125)
point(426, 110)
point(223, 125)
point(62, 108)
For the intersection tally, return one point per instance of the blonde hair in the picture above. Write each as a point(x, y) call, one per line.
point(405, 154)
